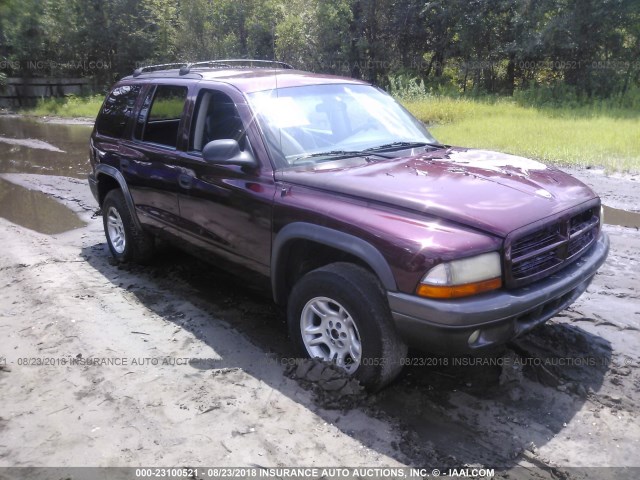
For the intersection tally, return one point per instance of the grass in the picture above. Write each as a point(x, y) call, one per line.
point(69, 107)
point(591, 135)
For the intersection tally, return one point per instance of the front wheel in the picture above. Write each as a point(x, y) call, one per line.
point(126, 241)
point(339, 313)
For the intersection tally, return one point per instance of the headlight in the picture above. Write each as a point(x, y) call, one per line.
point(461, 278)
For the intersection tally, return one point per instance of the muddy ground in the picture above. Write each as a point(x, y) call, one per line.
point(178, 363)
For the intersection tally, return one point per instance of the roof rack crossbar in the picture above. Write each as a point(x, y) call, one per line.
point(162, 66)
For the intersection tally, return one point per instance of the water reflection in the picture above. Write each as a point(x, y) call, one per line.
point(73, 140)
point(623, 218)
point(35, 210)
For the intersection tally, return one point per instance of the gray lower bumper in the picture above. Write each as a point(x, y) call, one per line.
point(444, 326)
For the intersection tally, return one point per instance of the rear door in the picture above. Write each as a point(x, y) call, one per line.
point(225, 208)
point(152, 172)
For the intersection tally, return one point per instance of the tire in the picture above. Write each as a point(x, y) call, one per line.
point(357, 323)
point(127, 243)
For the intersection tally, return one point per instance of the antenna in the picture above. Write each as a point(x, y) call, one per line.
point(275, 73)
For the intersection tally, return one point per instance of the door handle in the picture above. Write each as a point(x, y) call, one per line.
point(185, 181)
point(124, 164)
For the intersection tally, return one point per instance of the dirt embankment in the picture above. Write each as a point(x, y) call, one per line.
point(180, 364)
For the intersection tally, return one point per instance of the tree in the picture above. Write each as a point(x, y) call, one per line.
point(588, 47)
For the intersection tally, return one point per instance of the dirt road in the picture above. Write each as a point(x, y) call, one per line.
point(180, 364)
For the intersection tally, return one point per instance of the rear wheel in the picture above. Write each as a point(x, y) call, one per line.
point(126, 241)
point(339, 313)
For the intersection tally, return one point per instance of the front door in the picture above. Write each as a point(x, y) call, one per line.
point(227, 209)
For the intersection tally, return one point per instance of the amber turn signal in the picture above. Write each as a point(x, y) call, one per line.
point(457, 291)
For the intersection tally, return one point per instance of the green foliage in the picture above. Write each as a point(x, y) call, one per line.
point(294, 42)
point(332, 38)
point(439, 110)
point(23, 32)
point(165, 28)
point(570, 68)
point(196, 22)
point(565, 96)
point(591, 47)
point(406, 88)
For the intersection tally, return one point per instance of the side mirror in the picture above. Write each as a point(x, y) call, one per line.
point(227, 152)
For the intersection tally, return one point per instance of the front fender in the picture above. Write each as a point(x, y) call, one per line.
point(331, 238)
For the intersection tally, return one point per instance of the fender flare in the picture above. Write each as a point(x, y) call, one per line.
point(114, 173)
point(331, 238)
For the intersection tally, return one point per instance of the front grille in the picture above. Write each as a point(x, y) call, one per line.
point(536, 241)
point(535, 264)
point(536, 254)
point(576, 245)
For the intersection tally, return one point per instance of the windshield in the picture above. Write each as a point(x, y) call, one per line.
point(317, 123)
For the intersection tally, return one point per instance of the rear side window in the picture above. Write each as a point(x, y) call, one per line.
point(117, 109)
point(160, 115)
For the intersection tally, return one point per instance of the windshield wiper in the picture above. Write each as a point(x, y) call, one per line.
point(403, 144)
point(340, 153)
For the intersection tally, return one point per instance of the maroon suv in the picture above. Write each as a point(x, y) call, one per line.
point(374, 235)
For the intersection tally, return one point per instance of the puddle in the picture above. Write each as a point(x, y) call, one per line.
point(622, 218)
point(35, 210)
point(29, 146)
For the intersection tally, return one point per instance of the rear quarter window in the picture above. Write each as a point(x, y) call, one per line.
point(117, 109)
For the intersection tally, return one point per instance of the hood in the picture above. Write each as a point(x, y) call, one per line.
point(492, 191)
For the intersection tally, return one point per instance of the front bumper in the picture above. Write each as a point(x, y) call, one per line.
point(444, 326)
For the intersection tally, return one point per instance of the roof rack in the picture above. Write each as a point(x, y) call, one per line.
point(185, 67)
point(163, 66)
point(235, 62)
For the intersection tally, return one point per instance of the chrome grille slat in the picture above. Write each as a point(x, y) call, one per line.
point(536, 241)
point(584, 229)
point(547, 248)
point(538, 263)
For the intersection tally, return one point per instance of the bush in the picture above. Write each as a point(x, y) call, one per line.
point(406, 88)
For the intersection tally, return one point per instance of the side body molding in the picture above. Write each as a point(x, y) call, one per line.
point(102, 169)
point(331, 238)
